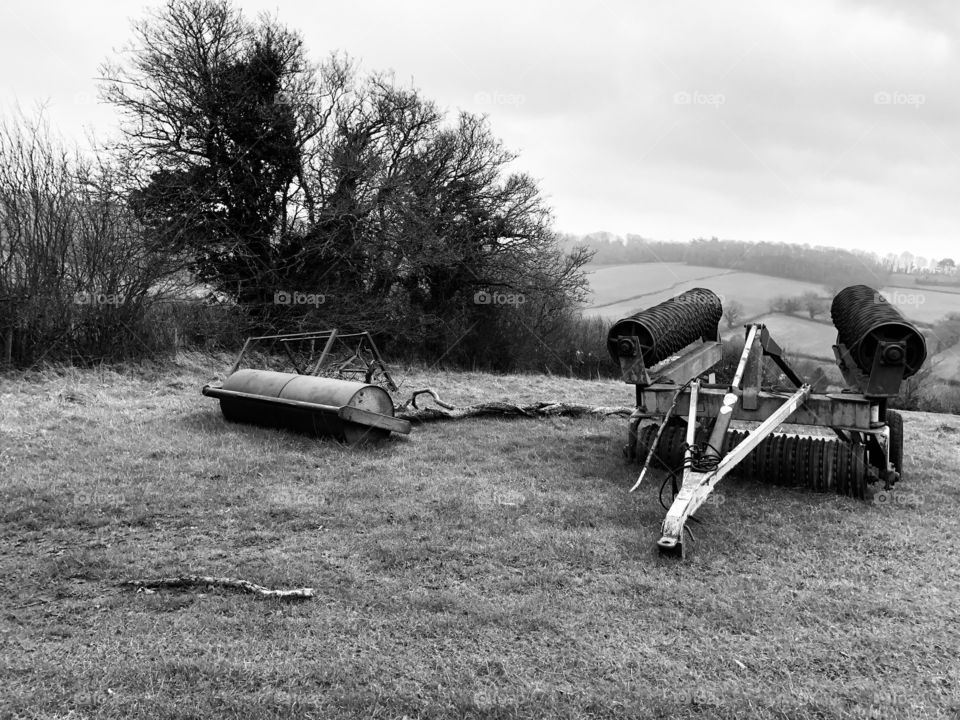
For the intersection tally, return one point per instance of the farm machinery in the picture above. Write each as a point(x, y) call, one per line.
point(306, 401)
point(685, 423)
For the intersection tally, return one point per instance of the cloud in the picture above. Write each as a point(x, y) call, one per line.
point(831, 121)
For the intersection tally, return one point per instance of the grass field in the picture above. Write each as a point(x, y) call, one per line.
point(796, 333)
point(618, 283)
point(623, 289)
point(480, 569)
point(923, 304)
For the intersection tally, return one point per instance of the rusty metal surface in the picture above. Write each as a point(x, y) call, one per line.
point(305, 403)
point(832, 410)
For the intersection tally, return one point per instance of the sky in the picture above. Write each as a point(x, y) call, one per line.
point(827, 122)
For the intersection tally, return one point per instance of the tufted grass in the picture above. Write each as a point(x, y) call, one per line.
point(486, 568)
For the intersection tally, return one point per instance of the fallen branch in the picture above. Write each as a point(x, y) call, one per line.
point(182, 581)
point(444, 411)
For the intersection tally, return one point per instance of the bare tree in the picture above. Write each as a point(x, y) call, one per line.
point(813, 304)
point(733, 312)
point(218, 109)
point(278, 175)
point(75, 275)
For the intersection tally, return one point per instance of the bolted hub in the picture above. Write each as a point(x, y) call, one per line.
point(626, 347)
point(894, 354)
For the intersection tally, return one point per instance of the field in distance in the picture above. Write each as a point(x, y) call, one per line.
point(795, 334)
point(619, 290)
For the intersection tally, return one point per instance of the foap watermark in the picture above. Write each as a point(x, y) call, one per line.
point(696, 97)
point(509, 498)
point(887, 498)
point(715, 498)
point(295, 496)
point(492, 297)
point(693, 298)
point(499, 98)
point(898, 297)
point(104, 494)
point(914, 100)
point(502, 499)
point(97, 298)
point(285, 297)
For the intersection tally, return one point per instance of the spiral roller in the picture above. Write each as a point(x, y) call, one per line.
point(665, 329)
point(866, 323)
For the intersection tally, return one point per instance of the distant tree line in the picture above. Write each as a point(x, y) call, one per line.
point(832, 268)
point(943, 280)
point(907, 262)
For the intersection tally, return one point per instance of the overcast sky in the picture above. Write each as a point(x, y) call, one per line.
point(821, 122)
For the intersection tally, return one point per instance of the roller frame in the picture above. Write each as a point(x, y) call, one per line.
point(884, 379)
point(854, 417)
point(691, 362)
point(364, 340)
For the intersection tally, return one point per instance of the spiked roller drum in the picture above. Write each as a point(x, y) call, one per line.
point(865, 321)
point(665, 329)
point(816, 463)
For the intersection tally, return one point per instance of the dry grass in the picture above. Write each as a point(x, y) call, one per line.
point(482, 569)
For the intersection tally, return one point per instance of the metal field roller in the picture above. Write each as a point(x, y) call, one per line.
point(351, 412)
point(657, 333)
point(876, 347)
point(665, 350)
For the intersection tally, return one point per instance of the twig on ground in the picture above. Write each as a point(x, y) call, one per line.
point(182, 581)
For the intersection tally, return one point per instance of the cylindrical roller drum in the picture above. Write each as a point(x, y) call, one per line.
point(330, 393)
point(864, 319)
point(822, 464)
point(665, 329)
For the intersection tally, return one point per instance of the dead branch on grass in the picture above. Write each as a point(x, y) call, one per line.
point(184, 581)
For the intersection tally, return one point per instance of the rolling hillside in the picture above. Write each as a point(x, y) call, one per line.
point(618, 290)
point(946, 364)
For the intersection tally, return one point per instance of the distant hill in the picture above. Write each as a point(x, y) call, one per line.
point(823, 266)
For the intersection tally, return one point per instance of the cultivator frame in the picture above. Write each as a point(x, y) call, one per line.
point(869, 445)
